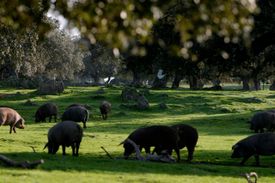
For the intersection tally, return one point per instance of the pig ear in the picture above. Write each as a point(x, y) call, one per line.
point(46, 145)
point(122, 142)
point(234, 146)
point(19, 121)
point(22, 121)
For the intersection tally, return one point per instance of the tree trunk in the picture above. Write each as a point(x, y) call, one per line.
point(136, 79)
point(177, 79)
point(272, 86)
point(108, 80)
point(195, 83)
point(257, 84)
point(96, 78)
point(245, 82)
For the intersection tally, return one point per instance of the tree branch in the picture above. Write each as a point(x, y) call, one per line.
point(23, 164)
point(108, 154)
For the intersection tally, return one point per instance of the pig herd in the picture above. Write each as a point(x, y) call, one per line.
point(160, 137)
point(66, 133)
point(260, 144)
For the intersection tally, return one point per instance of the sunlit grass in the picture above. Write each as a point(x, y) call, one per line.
point(219, 116)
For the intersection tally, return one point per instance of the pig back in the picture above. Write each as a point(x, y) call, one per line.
point(105, 107)
point(266, 144)
point(66, 132)
point(76, 113)
point(48, 109)
point(8, 116)
point(265, 119)
point(188, 135)
point(157, 135)
point(262, 144)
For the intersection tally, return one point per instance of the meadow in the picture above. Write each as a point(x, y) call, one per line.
point(219, 116)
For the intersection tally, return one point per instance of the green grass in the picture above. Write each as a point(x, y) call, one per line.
point(219, 116)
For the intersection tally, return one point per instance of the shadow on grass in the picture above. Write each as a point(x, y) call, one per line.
point(204, 163)
point(271, 97)
point(224, 125)
point(189, 102)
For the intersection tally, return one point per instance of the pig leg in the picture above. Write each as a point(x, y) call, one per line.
point(244, 160)
point(14, 129)
point(169, 151)
point(154, 150)
point(73, 149)
point(11, 128)
point(50, 118)
point(84, 124)
point(147, 149)
point(190, 153)
point(77, 147)
point(178, 154)
point(55, 118)
point(63, 149)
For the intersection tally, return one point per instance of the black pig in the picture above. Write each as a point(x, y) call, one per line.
point(76, 114)
point(263, 120)
point(160, 137)
point(254, 145)
point(188, 136)
point(105, 108)
point(66, 133)
point(46, 110)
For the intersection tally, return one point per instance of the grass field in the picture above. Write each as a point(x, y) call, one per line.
point(219, 116)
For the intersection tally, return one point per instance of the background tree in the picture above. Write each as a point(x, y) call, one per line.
point(23, 15)
point(99, 62)
point(18, 53)
point(60, 56)
point(190, 38)
point(121, 23)
point(262, 41)
point(24, 56)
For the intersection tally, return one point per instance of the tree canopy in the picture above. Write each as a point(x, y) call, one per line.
point(192, 39)
point(121, 24)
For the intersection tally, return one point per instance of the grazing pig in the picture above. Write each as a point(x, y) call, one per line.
point(46, 110)
point(80, 105)
point(105, 108)
point(66, 133)
point(188, 136)
point(263, 120)
point(254, 145)
point(160, 137)
point(10, 117)
point(76, 114)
